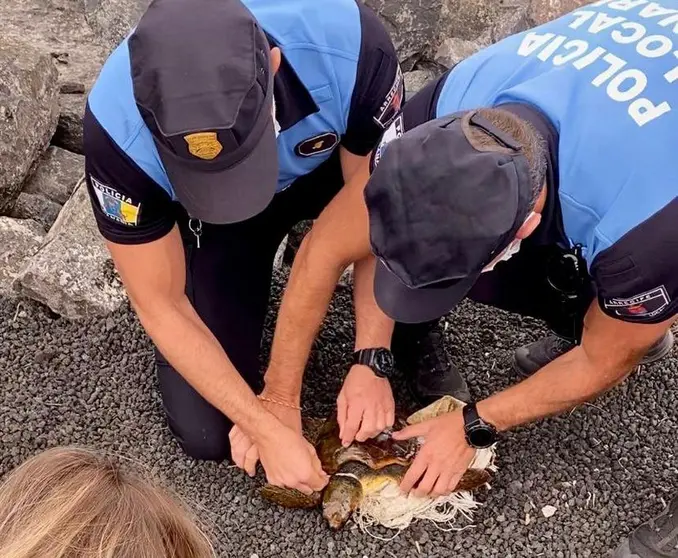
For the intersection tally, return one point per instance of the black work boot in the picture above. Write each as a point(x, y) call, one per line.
point(530, 358)
point(656, 538)
point(419, 352)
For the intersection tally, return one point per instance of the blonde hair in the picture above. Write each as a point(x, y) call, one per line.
point(75, 503)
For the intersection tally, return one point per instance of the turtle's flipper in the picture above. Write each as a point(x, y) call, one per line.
point(473, 478)
point(289, 498)
point(311, 428)
point(344, 493)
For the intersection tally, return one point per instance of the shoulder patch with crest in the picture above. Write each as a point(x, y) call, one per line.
point(116, 206)
point(321, 143)
point(391, 106)
point(643, 306)
point(396, 130)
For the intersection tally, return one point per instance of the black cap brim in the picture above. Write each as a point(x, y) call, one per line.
point(231, 195)
point(412, 306)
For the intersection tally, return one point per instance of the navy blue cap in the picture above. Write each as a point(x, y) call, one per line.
point(441, 207)
point(203, 83)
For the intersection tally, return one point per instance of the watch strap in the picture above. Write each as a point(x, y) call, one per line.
point(471, 415)
point(366, 357)
point(474, 423)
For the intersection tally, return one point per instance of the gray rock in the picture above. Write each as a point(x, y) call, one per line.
point(416, 80)
point(412, 24)
point(541, 11)
point(56, 175)
point(112, 20)
point(346, 279)
point(36, 207)
point(454, 50)
point(28, 113)
point(467, 19)
point(279, 259)
point(72, 273)
point(69, 130)
point(19, 239)
point(512, 21)
point(58, 28)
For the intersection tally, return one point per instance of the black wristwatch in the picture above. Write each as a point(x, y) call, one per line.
point(479, 434)
point(379, 360)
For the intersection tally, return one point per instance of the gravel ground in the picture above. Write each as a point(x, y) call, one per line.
point(605, 467)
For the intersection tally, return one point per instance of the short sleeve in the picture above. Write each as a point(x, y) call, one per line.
point(637, 277)
point(379, 89)
point(129, 207)
point(416, 111)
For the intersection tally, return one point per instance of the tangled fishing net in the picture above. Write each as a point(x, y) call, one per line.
point(387, 506)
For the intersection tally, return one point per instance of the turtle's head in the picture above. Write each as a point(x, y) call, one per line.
point(340, 499)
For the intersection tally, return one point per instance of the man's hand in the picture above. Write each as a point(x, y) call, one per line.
point(365, 406)
point(243, 451)
point(287, 458)
point(290, 461)
point(443, 458)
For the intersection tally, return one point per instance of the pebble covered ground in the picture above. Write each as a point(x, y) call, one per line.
point(604, 468)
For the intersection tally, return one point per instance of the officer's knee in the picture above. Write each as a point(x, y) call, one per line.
point(215, 448)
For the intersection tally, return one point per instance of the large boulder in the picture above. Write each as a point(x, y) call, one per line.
point(49, 187)
point(36, 207)
point(454, 50)
point(112, 20)
point(29, 109)
point(418, 28)
point(19, 240)
point(512, 20)
point(542, 11)
point(58, 28)
point(412, 24)
point(72, 272)
point(69, 133)
point(56, 175)
point(468, 19)
point(415, 81)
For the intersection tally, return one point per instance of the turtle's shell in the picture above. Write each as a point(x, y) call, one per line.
point(376, 453)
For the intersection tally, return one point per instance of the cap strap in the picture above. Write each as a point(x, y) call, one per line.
point(509, 144)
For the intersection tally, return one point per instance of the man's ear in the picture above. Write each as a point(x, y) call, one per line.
point(529, 226)
point(276, 59)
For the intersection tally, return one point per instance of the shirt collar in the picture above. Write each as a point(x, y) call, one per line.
point(292, 99)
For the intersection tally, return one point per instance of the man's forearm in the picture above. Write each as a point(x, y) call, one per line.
point(305, 302)
point(561, 385)
point(195, 353)
point(373, 327)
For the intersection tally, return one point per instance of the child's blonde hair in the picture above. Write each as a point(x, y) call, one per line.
point(74, 503)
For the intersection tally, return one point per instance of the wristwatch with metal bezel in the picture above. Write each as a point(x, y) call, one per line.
point(479, 434)
point(379, 360)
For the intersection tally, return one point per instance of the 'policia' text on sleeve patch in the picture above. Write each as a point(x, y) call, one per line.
point(645, 305)
point(116, 206)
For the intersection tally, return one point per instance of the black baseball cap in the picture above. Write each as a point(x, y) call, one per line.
point(203, 83)
point(441, 207)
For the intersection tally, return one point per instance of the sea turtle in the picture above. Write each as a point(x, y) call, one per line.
point(366, 469)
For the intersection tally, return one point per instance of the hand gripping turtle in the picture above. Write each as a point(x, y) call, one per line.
point(365, 477)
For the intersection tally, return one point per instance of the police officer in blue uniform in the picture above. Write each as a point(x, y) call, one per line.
point(212, 129)
point(537, 176)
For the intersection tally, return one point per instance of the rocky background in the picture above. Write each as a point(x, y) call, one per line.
point(75, 366)
point(50, 54)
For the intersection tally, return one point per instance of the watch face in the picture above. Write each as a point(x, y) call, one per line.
point(482, 437)
point(384, 361)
